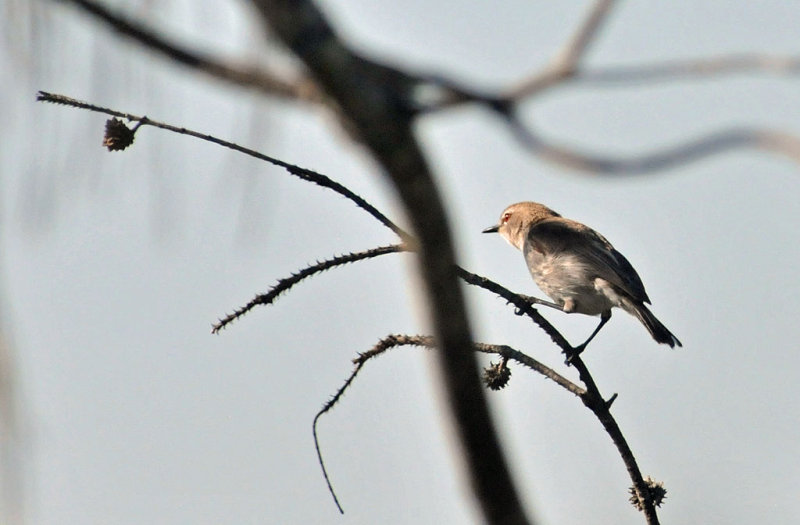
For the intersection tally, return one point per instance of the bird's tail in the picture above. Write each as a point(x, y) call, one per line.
point(659, 332)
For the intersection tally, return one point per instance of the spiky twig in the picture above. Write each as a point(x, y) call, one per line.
point(522, 303)
point(426, 341)
point(287, 282)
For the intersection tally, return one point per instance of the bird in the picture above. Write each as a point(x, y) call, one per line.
point(578, 268)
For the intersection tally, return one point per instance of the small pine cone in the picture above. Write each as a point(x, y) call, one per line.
point(497, 375)
point(657, 492)
point(118, 136)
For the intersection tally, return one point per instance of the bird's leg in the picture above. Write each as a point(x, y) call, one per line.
point(536, 300)
point(604, 317)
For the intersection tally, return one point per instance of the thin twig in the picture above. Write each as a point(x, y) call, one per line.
point(302, 173)
point(325, 408)
point(661, 159)
point(426, 341)
point(684, 70)
point(285, 284)
point(595, 402)
point(568, 59)
point(382, 345)
point(266, 82)
point(577, 46)
point(508, 352)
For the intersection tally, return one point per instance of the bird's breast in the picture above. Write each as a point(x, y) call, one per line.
point(564, 277)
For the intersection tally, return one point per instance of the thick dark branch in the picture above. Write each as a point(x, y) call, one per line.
point(250, 77)
point(285, 284)
point(302, 173)
point(377, 101)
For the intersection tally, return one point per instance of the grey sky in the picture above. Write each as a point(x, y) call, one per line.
point(115, 265)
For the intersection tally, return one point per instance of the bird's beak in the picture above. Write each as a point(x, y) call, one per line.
point(492, 229)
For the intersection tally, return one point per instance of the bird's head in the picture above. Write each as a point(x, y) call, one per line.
point(516, 220)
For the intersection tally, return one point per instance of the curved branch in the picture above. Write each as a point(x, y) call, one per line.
point(591, 396)
point(394, 340)
point(302, 173)
point(683, 70)
point(691, 151)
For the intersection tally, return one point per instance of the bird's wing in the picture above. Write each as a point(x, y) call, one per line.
point(558, 235)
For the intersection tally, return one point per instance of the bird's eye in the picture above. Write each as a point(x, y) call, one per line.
point(505, 218)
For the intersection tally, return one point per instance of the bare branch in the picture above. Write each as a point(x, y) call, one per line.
point(566, 62)
point(382, 345)
point(591, 396)
point(523, 306)
point(302, 173)
point(501, 350)
point(683, 70)
point(579, 44)
point(376, 102)
point(301, 89)
point(524, 359)
point(392, 341)
point(285, 284)
point(662, 159)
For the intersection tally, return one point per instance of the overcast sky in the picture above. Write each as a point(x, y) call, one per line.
point(114, 265)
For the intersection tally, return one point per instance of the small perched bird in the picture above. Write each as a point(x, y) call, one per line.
point(577, 267)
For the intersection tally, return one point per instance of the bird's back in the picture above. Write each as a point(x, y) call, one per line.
point(570, 251)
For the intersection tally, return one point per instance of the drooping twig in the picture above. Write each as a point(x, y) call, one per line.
point(426, 341)
point(302, 173)
point(382, 345)
point(269, 83)
point(285, 284)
